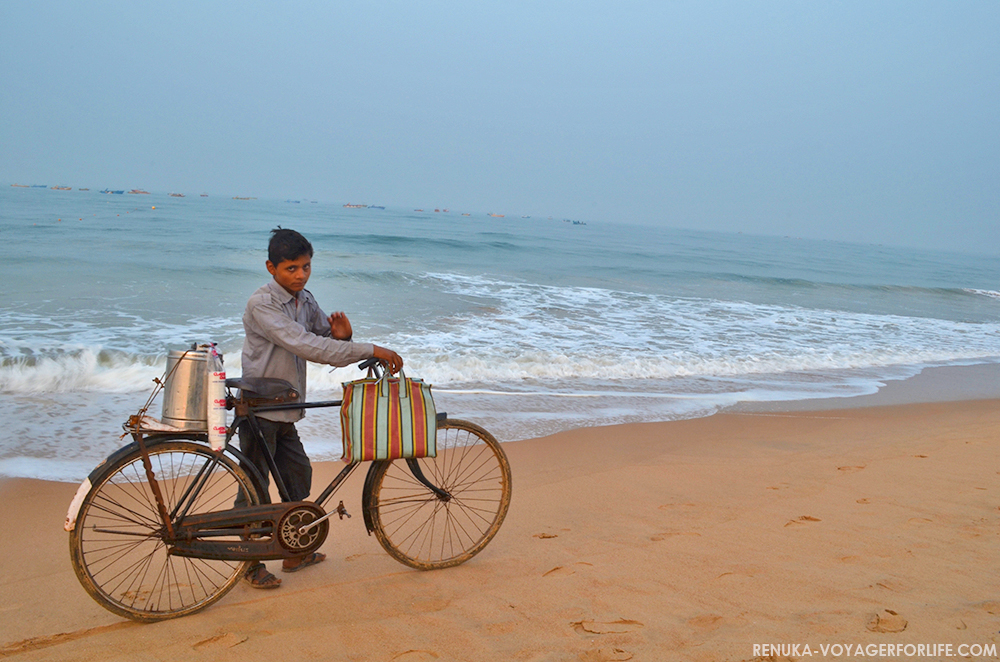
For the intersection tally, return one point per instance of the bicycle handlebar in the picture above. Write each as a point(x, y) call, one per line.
point(371, 364)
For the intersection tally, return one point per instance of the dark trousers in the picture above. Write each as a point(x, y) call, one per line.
point(282, 440)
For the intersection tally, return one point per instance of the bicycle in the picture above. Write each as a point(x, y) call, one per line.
point(162, 531)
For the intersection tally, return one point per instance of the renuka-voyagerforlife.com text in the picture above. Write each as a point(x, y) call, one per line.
point(877, 650)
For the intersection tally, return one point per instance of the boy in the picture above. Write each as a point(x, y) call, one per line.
point(284, 328)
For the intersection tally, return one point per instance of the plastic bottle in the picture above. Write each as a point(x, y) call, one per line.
point(216, 399)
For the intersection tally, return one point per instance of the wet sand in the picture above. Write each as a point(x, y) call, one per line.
point(689, 540)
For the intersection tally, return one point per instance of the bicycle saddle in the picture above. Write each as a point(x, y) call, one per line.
point(263, 389)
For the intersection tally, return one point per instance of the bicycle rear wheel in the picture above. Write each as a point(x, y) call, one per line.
point(425, 530)
point(118, 549)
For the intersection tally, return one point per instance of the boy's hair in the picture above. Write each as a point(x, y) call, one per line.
point(287, 245)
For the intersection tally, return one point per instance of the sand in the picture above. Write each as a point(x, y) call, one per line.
point(690, 540)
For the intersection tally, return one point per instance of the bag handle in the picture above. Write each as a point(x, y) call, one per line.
point(384, 384)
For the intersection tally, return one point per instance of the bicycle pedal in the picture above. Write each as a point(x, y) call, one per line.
point(341, 511)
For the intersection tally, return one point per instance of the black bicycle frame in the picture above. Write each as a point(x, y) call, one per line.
point(250, 419)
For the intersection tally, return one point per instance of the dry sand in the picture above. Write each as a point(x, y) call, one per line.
point(691, 540)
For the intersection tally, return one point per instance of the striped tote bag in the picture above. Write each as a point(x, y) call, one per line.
point(388, 418)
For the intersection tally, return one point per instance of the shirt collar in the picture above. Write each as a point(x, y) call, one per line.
point(280, 293)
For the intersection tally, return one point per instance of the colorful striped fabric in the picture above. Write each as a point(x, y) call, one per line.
point(387, 419)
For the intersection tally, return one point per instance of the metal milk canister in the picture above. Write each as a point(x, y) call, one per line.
point(185, 394)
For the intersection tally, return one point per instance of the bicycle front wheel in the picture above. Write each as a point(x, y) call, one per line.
point(424, 529)
point(118, 549)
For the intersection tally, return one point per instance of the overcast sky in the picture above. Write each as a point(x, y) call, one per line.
point(866, 121)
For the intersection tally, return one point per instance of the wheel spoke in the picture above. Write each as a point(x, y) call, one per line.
point(424, 530)
point(118, 551)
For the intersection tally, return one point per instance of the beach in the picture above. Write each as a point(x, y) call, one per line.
point(686, 540)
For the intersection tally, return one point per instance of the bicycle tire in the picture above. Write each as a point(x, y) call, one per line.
point(117, 546)
point(420, 529)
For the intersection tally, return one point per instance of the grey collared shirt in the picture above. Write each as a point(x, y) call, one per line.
point(283, 332)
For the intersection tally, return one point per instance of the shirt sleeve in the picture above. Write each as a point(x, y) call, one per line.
point(273, 324)
point(320, 326)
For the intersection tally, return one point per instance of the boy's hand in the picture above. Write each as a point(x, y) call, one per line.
point(392, 361)
point(340, 326)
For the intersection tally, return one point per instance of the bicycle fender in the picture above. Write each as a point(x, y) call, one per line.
point(74, 506)
point(366, 496)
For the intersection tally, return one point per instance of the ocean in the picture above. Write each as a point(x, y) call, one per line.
point(525, 325)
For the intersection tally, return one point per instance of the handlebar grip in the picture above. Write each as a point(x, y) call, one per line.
point(368, 364)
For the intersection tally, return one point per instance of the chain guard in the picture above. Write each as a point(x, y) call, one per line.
point(265, 532)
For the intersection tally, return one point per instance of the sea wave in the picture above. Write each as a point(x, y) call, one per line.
point(986, 293)
point(86, 369)
point(483, 330)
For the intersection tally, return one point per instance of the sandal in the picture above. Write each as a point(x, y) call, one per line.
point(303, 562)
point(259, 577)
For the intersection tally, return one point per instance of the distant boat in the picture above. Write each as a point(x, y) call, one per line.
point(350, 206)
point(376, 207)
point(139, 191)
point(239, 198)
point(39, 186)
point(418, 210)
point(62, 188)
point(175, 195)
point(20, 185)
point(83, 189)
point(295, 201)
point(525, 217)
point(109, 191)
point(204, 195)
point(497, 215)
point(466, 214)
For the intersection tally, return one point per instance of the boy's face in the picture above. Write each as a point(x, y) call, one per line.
point(292, 274)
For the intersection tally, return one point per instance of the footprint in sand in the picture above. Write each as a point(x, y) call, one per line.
point(415, 656)
point(668, 506)
point(706, 622)
point(919, 520)
point(670, 534)
point(565, 571)
point(219, 641)
point(606, 655)
point(850, 469)
point(621, 626)
point(891, 585)
point(545, 536)
point(920, 456)
point(887, 621)
point(863, 501)
point(990, 607)
point(802, 520)
point(355, 557)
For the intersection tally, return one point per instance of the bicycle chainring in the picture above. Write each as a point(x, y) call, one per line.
point(291, 522)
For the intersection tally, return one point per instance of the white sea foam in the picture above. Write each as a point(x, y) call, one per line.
point(65, 471)
point(986, 293)
point(511, 333)
point(81, 370)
